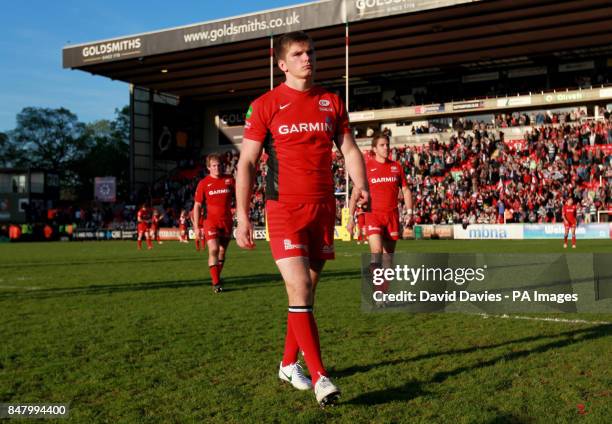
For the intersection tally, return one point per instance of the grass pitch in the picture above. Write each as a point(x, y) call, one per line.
point(138, 336)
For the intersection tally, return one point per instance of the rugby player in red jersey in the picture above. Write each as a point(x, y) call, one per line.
point(183, 235)
point(361, 228)
point(385, 179)
point(155, 226)
point(569, 221)
point(298, 123)
point(217, 190)
point(143, 217)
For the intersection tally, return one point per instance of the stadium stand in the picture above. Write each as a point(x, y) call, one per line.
point(477, 177)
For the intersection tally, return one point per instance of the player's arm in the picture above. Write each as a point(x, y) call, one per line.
point(407, 201)
point(245, 176)
point(407, 194)
point(197, 208)
point(355, 167)
point(350, 225)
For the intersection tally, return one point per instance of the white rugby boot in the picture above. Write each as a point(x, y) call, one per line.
point(326, 392)
point(294, 374)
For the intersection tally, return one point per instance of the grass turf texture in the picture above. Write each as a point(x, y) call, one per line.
point(138, 336)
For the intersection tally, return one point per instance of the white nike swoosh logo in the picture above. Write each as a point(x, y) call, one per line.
point(284, 106)
point(372, 170)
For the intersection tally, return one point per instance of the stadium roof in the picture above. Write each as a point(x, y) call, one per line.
point(230, 58)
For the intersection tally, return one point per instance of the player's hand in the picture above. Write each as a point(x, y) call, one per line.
point(350, 226)
point(244, 235)
point(363, 198)
point(409, 215)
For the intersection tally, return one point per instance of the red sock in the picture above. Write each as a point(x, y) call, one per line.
point(214, 274)
point(304, 328)
point(573, 240)
point(197, 242)
point(149, 243)
point(565, 239)
point(220, 266)
point(139, 244)
point(384, 287)
point(290, 355)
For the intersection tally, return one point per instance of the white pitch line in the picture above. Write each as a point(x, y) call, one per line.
point(19, 287)
point(564, 320)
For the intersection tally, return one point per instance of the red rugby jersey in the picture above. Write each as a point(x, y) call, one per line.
point(569, 213)
point(143, 215)
point(384, 181)
point(217, 194)
point(298, 129)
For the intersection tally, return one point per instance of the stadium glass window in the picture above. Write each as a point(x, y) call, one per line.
point(18, 183)
point(37, 182)
point(5, 183)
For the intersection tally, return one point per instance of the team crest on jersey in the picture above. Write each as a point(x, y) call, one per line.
point(394, 169)
point(324, 106)
point(228, 181)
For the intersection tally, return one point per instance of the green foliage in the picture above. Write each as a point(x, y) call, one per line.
point(138, 336)
point(8, 151)
point(54, 139)
point(51, 138)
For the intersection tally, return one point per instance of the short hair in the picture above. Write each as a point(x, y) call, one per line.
point(211, 157)
point(376, 136)
point(284, 41)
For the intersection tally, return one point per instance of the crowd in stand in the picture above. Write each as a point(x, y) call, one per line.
point(480, 178)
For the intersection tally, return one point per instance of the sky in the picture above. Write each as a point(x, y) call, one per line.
point(33, 33)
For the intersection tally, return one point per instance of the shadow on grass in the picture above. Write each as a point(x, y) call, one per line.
point(413, 388)
point(143, 260)
point(508, 419)
point(231, 284)
point(403, 393)
point(572, 337)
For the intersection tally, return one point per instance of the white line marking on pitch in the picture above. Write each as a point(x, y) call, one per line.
point(564, 320)
point(19, 287)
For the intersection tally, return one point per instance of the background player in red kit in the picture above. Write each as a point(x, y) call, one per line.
point(183, 235)
point(143, 217)
point(382, 221)
point(361, 228)
point(155, 226)
point(569, 221)
point(298, 123)
point(217, 190)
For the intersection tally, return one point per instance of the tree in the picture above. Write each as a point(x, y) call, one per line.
point(10, 156)
point(120, 127)
point(52, 139)
point(107, 154)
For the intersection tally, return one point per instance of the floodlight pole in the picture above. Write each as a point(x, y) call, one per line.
point(271, 62)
